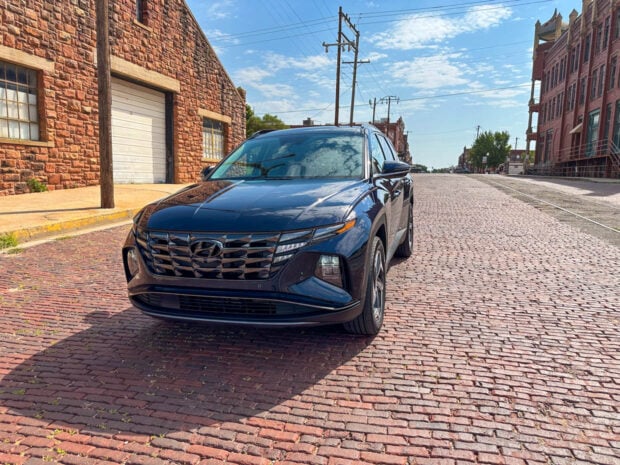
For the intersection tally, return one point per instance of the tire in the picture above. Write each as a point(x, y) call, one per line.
point(370, 320)
point(405, 249)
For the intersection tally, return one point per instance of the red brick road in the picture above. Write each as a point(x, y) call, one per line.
point(501, 346)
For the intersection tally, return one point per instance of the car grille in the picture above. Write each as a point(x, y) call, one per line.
point(217, 256)
point(217, 305)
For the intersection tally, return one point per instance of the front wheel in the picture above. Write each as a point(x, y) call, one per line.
point(370, 320)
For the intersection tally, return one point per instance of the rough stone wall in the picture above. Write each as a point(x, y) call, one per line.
point(64, 33)
point(169, 42)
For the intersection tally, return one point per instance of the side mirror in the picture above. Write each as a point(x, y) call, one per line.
point(205, 172)
point(392, 166)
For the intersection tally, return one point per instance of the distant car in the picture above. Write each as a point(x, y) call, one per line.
point(294, 228)
point(461, 170)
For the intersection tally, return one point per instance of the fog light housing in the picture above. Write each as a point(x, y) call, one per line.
point(329, 269)
point(133, 266)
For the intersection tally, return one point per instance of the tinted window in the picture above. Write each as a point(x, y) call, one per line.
point(376, 153)
point(387, 148)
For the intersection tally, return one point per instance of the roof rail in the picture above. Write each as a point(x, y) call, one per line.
point(260, 132)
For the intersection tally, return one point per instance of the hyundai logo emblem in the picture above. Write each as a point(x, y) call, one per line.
point(206, 248)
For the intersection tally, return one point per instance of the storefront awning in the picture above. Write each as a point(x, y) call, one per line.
point(576, 129)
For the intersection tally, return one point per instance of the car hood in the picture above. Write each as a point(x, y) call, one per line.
point(257, 206)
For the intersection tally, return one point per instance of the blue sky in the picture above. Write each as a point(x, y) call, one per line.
point(454, 65)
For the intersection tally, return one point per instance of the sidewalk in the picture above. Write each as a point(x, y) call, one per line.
point(29, 217)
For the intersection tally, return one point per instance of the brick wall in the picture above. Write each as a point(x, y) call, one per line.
point(63, 33)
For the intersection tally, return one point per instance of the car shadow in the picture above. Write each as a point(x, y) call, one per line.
point(128, 373)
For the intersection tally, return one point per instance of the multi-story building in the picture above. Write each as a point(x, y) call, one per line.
point(174, 107)
point(396, 133)
point(576, 71)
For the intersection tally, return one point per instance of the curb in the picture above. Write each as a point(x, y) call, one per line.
point(39, 232)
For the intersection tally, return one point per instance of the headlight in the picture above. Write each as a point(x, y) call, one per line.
point(329, 269)
point(291, 242)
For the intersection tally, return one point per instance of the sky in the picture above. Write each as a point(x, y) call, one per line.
point(450, 68)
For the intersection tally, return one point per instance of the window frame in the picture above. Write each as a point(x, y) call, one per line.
point(211, 155)
point(20, 103)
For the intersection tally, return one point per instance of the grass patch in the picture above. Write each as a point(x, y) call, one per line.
point(8, 241)
point(36, 186)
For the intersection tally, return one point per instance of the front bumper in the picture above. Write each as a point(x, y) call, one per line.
point(292, 297)
point(233, 308)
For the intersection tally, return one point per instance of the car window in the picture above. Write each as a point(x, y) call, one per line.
point(296, 155)
point(387, 148)
point(376, 153)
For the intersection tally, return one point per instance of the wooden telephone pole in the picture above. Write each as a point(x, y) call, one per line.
point(104, 82)
point(344, 41)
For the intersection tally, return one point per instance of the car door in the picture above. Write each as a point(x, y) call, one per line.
point(397, 187)
point(388, 187)
point(402, 184)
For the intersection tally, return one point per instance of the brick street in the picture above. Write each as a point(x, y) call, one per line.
point(501, 345)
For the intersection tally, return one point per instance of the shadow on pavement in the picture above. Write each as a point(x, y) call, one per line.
point(124, 376)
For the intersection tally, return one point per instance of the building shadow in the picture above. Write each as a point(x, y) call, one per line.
point(130, 374)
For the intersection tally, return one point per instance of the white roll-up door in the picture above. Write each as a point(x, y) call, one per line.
point(138, 133)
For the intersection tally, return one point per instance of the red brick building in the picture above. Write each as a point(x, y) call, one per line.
point(396, 133)
point(576, 71)
point(174, 108)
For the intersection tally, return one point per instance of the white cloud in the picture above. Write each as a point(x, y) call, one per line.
point(220, 10)
point(429, 73)
point(277, 62)
point(423, 30)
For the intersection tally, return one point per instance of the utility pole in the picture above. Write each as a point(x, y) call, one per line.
point(373, 104)
point(389, 99)
point(104, 82)
point(477, 131)
point(344, 41)
point(516, 140)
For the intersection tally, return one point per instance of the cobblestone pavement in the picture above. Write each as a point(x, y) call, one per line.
point(501, 345)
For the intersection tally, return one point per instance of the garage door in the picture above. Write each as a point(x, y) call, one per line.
point(138, 133)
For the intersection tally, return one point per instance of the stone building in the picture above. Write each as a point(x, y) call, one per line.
point(575, 121)
point(174, 107)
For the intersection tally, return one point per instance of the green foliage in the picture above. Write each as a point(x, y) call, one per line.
point(492, 145)
point(7, 241)
point(36, 186)
point(253, 123)
point(417, 168)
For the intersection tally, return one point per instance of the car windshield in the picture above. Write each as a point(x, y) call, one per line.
point(295, 155)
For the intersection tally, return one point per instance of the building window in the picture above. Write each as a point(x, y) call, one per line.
point(606, 33)
point(612, 72)
point(601, 80)
point(607, 121)
point(19, 114)
point(582, 91)
point(616, 132)
point(593, 84)
point(592, 138)
point(599, 38)
point(548, 145)
point(617, 28)
point(212, 140)
point(586, 49)
point(140, 11)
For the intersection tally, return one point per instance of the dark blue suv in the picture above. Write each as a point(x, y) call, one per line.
point(295, 227)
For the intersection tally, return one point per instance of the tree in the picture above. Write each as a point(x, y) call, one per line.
point(492, 145)
point(253, 123)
